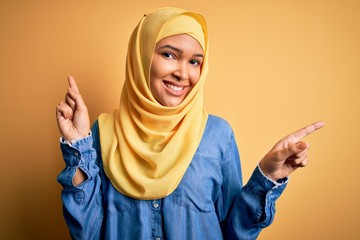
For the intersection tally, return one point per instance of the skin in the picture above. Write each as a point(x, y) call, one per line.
point(73, 120)
point(177, 64)
point(289, 153)
point(175, 69)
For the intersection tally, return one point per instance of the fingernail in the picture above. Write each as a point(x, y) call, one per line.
point(302, 146)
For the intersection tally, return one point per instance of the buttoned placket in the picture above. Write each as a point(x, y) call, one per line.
point(156, 219)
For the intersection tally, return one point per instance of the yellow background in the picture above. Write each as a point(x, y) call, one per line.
point(275, 66)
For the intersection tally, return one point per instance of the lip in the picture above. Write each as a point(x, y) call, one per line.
point(174, 88)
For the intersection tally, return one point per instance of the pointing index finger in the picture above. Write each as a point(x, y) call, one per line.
point(72, 83)
point(303, 132)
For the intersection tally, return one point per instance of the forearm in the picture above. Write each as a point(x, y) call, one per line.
point(81, 194)
point(79, 177)
point(254, 208)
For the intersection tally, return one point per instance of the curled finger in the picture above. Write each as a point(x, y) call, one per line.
point(70, 101)
point(303, 152)
point(297, 161)
point(304, 163)
point(63, 110)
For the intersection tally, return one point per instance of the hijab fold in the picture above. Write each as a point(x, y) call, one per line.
point(146, 147)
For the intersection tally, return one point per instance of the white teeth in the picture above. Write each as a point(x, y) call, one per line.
point(175, 88)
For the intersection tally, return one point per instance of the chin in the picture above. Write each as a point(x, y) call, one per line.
point(172, 103)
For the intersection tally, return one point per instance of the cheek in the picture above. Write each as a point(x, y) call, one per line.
point(156, 75)
point(195, 75)
point(158, 68)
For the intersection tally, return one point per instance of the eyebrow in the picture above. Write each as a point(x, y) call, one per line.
point(180, 51)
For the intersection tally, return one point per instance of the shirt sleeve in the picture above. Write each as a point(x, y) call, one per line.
point(82, 204)
point(246, 210)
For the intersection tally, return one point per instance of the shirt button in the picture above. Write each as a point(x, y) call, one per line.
point(156, 205)
point(76, 154)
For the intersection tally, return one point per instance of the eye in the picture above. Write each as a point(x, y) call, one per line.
point(195, 62)
point(168, 55)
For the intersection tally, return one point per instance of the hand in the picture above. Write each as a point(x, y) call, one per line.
point(288, 154)
point(72, 114)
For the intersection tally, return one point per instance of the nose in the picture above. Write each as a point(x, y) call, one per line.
point(181, 72)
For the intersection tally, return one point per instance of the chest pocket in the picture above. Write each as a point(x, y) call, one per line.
point(199, 186)
point(122, 204)
point(117, 202)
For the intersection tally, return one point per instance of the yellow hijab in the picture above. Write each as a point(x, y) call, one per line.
point(146, 147)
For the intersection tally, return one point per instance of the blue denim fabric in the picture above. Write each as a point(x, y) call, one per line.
point(209, 203)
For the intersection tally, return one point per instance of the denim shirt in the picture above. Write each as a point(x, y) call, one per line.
point(209, 203)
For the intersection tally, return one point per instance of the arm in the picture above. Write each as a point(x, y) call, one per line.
point(254, 207)
point(81, 194)
point(288, 154)
point(245, 211)
point(73, 121)
point(82, 204)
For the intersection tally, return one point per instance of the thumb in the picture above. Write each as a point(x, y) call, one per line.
point(293, 149)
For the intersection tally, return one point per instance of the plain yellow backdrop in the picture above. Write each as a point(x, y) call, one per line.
point(275, 66)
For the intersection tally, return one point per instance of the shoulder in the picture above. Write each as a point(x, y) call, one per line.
point(217, 137)
point(217, 126)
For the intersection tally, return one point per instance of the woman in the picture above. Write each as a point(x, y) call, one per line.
point(161, 167)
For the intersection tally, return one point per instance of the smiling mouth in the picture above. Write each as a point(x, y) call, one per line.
point(173, 87)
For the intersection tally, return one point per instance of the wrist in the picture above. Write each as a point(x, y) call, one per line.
point(276, 181)
point(73, 140)
point(264, 171)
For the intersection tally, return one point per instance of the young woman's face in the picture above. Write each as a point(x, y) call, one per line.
point(175, 68)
